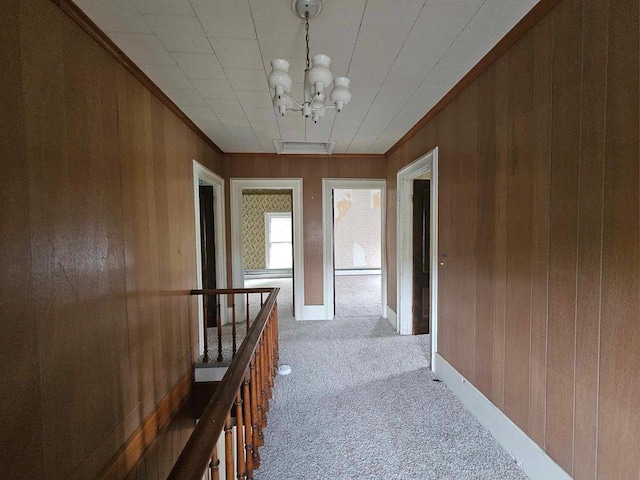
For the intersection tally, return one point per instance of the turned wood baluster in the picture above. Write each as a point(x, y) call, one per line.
point(205, 317)
point(275, 321)
point(248, 436)
point(219, 324)
point(215, 464)
point(233, 330)
point(263, 381)
point(240, 442)
point(255, 425)
point(228, 447)
point(247, 319)
point(260, 391)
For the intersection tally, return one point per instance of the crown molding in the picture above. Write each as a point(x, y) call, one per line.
point(523, 26)
point(79, 17)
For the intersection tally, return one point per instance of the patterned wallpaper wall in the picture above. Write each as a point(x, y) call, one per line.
point(357, 228)
point(255, 203)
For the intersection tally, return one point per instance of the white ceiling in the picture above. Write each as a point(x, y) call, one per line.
point(212, 58)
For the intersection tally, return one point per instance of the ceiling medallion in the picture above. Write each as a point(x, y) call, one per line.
point(317, 76)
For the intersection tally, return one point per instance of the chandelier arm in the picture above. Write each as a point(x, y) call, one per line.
point(294, 101)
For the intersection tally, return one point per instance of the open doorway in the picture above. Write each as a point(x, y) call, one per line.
point(266, 233)
point(417, 241)
point(354, 247)
point(211, 269)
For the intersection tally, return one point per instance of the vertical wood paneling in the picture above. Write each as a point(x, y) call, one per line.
point(520, 169)
point(594, 68)
point(540, 230)
point(618, 415)
point(90, 146)
point(557, 268)
point(500, 235)
point(465, 218)
point(565, 154)
point(20, 432)
point(486, 230)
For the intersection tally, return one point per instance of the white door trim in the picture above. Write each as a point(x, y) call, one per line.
point(426, 163)
point(201, 172)
point(237, 185)
point(328, 184)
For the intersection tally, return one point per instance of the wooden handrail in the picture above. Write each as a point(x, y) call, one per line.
point(199, 450)
point(221, 291)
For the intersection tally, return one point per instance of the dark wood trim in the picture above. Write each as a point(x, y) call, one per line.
point(78, 16)
point(522, 27)
point(353, 156)
point(133, 449)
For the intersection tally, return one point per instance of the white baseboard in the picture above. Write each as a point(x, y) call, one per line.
point(536, 463)
point(392, 317)
point(314, 312)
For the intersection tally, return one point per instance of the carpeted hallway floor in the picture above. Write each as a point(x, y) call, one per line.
point(361, 403)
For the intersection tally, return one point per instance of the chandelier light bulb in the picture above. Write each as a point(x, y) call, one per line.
point(319, 75)
point(279, 78)
point(340, 95)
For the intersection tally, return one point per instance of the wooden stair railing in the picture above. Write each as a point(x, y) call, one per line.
point(230, 294)
point(245, 391)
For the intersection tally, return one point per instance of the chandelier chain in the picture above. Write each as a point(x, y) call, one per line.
point(306, 27)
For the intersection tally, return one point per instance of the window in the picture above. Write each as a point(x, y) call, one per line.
point(279, 248)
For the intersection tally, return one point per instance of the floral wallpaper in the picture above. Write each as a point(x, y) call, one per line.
point(255, 203)
point(357, 228)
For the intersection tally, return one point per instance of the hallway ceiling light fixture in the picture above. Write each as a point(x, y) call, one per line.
point(317, 76)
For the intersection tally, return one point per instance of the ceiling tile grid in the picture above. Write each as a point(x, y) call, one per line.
point(212, 58)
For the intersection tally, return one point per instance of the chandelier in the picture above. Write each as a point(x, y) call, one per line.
point(317, 76)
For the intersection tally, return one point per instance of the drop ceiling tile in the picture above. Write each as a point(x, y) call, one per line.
point(225, 18)
point(375, 53)
point(179, 34)
point(199, 65)
point(184, 96)
point(293, 120)
point(167, 76)
point(340, 134)
point(397, 12)
point(255, 99)
point(114, 16)
point(445, 17)
point(225, 105)
point(292, 134)
point(341, 146)
point(347, 123)
point(247, 80)
point(278, 42)
point(417, 58)
point(243, 132)
point(274, 11)
point(260, 114)
point(360, 144)
point(266, 128)
point(164, 7)
point(233, 120)
point(199, 112)
point(445, 76)
point(210, 88)
point(210, 125)
point(470, 47)
point(142, 48)
point(237, 52)
point(500, 15)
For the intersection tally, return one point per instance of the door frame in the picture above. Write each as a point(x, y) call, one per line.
point(200, 172)
point(405, 177)
point(328, 184)
point(237, 185)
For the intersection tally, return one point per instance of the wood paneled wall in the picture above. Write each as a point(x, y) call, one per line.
point(312, 169)
point(539, 214)
point(98, 247)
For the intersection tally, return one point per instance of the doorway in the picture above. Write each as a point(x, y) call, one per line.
point(277, 243)
point(354, 247)
point(208, 194)
point(410, 287)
